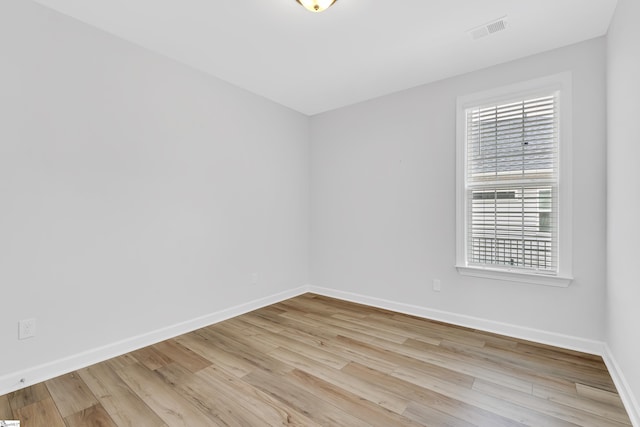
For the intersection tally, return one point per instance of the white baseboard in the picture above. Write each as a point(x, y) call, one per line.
point(17, 380)
point(529, 334)
point(626, 394)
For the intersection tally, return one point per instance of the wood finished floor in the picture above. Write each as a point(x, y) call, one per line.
point(313, 360)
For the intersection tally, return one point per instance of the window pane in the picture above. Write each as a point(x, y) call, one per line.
point(512, 227)
point(513, 140)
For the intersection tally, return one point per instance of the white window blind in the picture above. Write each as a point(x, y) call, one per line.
point(511, 184)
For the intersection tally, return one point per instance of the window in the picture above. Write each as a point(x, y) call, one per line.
point(513, 181)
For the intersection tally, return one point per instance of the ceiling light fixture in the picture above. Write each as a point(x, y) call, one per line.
point(316, 5)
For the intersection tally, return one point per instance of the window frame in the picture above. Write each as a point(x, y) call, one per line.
point(562, 83)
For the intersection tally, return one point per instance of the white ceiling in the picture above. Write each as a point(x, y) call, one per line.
point(356, 50)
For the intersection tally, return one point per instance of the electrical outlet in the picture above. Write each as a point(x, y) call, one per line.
point(254, 278)
point(437, 285)
point(26, 328)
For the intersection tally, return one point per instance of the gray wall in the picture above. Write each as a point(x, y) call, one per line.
point(623, 191)
point(383, 200)
point(135, 192)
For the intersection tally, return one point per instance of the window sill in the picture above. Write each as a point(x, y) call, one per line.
point(515, 276)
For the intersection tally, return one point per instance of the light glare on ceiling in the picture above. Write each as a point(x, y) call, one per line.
point(316, 5)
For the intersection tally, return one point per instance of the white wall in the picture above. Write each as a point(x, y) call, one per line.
point(135, 193)
point(383, 200)
point(623, 192)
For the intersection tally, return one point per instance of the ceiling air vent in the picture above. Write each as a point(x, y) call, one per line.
point(490, 28)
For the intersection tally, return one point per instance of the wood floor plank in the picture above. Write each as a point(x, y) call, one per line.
point(545, 406)
point(151, 358)
point(70, 394)
point(313, 305)
point(271, 411)
point(327, 341)
point(600, 409)
point(317, 361)
point(385, 324)
point(243, 336)
point(120, 402)
point(164, 400)
point(359, 329)
point(42, 413)
point(381, 349)
point(338, 330)
point(207, 348)
point(431, 332)
point(599, 395)
point(437, 402)
point(495, 340)
point(302, 401)
point(489, 403)
point(291, 325)
point(208, 397)
point(461, 363)
point(508, 362)
point(554, 363)
point(122, 361)
point(440, 330)
point(354, 385)
point(351, 403)
point(93, 416)
point(556, 353)
point(256, 320)
point(244, 351)
point(427, 416)
point(173, 350)
point(28, 396)
point(316, 353)
point(5, 408)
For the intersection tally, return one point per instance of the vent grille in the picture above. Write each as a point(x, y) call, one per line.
point(489, 28)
